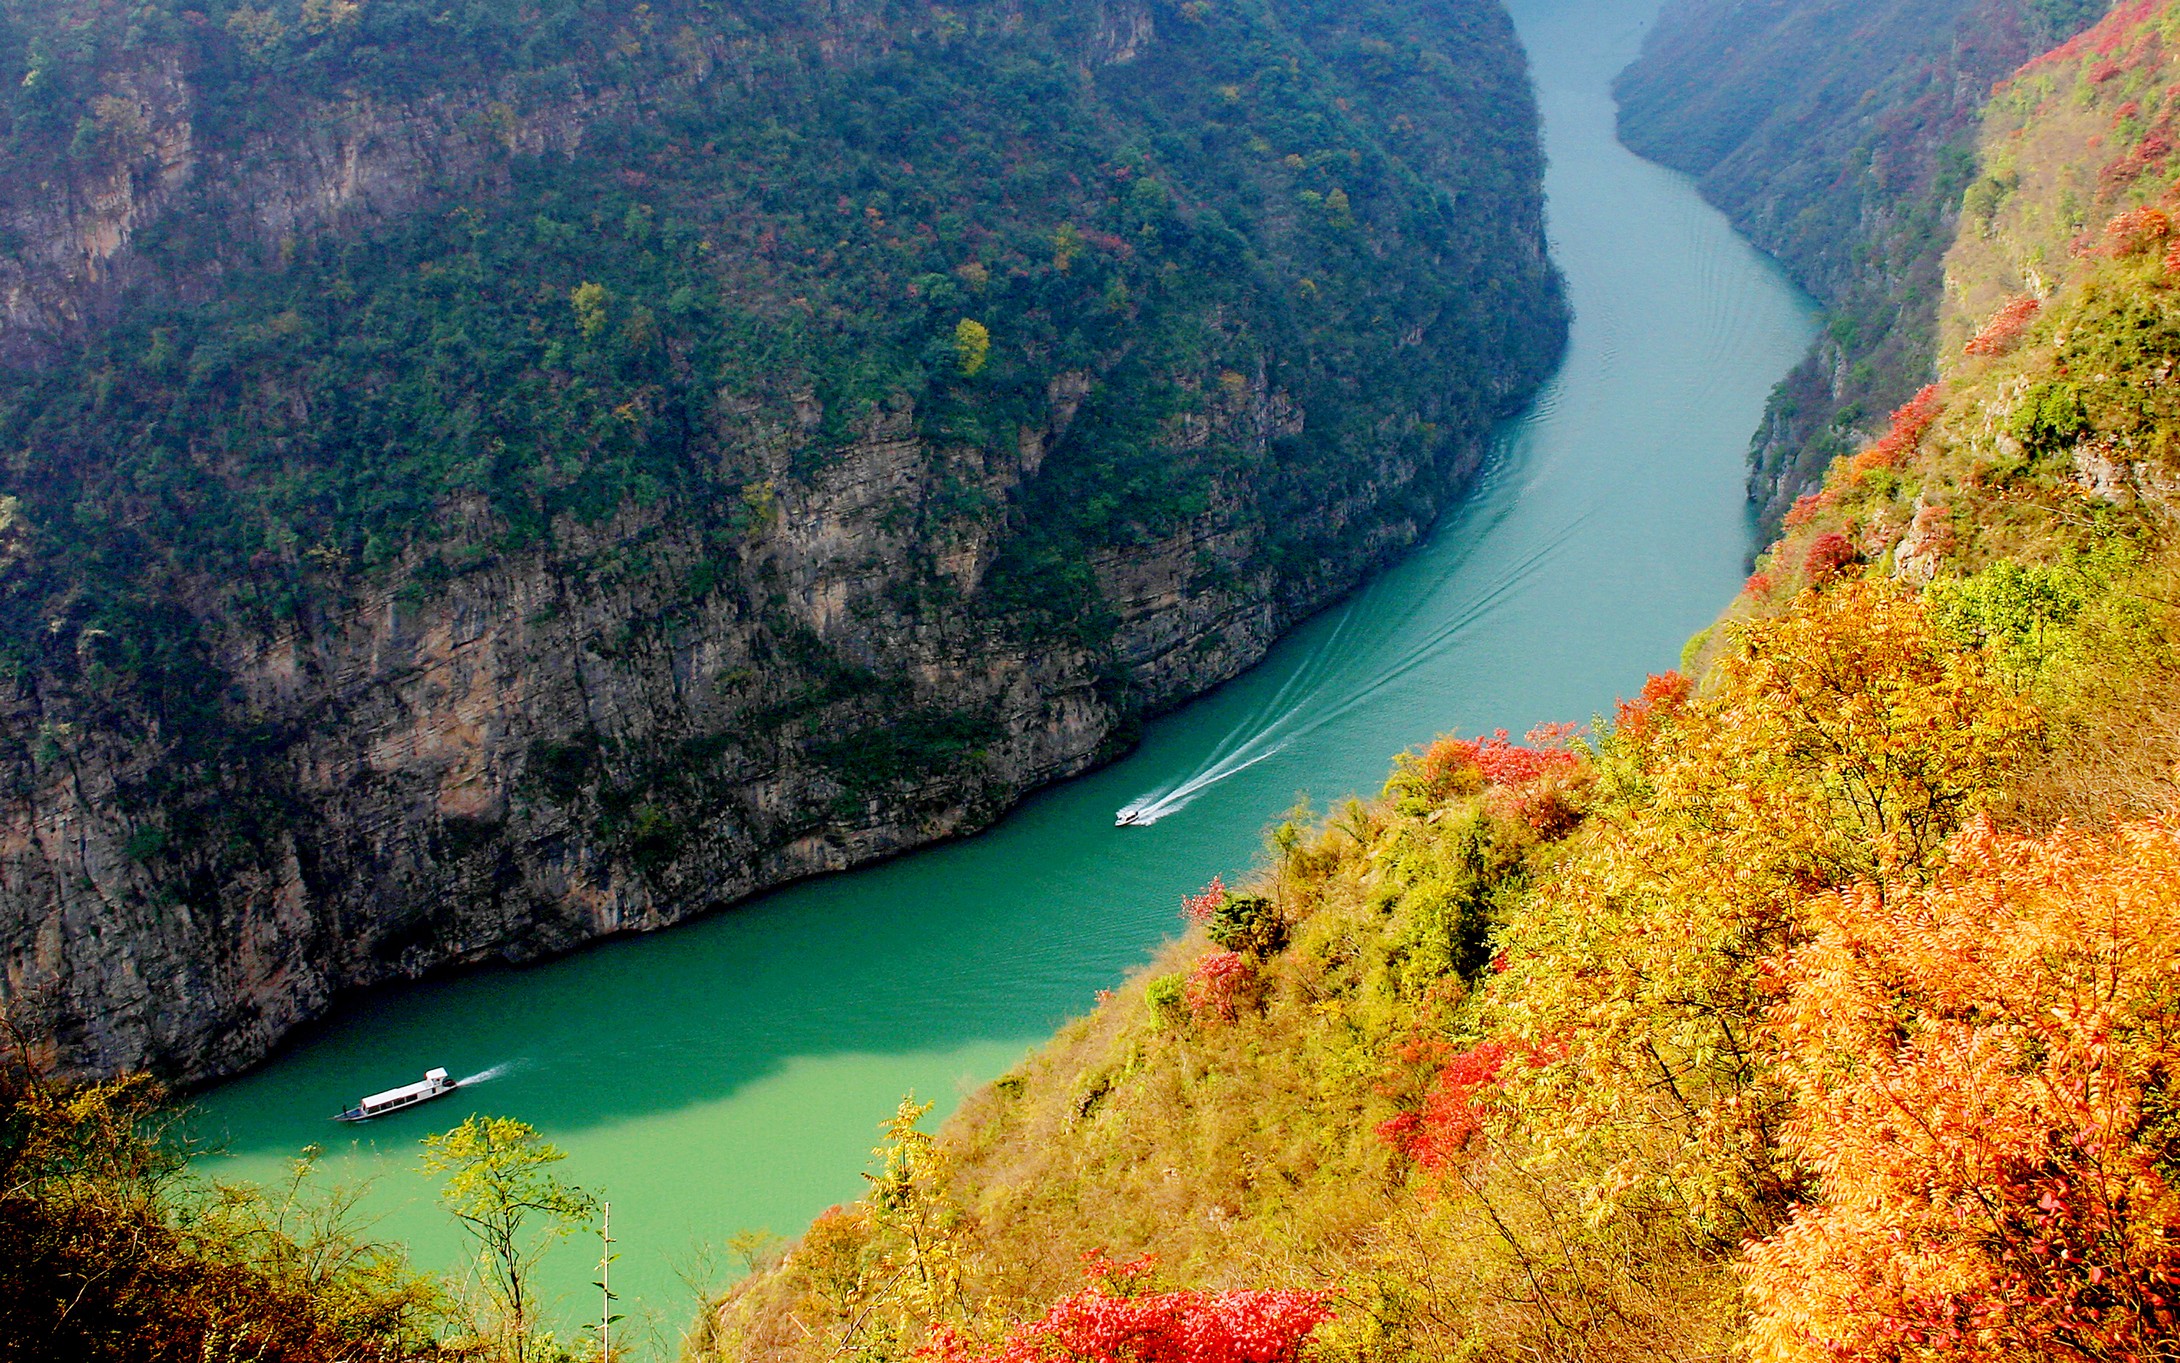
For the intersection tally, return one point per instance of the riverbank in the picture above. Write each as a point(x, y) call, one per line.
point(732, 1073)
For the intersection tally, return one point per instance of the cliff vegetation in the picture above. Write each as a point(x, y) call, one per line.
point(1840, 137)
point(1815, 1005)
point(479, 479)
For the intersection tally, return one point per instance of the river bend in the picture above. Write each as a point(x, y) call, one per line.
point(731, 1073)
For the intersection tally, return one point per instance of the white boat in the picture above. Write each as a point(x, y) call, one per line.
point(434, 1084)
point(1128, 818)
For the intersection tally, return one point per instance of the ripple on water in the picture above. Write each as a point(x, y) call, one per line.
point(730, 1073)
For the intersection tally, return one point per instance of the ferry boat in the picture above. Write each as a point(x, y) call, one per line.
point(434, 1084)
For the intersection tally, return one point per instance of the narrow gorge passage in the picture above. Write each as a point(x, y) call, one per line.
point(731, 1074)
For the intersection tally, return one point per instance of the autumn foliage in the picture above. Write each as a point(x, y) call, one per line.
point(1218, 984)
point(1100, 1324)
point(1198, 908)
point(2005, 328)
point(1909, 423)
point(1663, 695)
point(1982, 1072)
point(2137, 230)
point(1807, 507)
point(1537, 783)
point(110, 1253)
point(1829, 553)
point(1452, 1114)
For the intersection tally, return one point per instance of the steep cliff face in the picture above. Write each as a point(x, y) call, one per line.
point(1839, 136)
point(1601, 1054)
point(612, 464)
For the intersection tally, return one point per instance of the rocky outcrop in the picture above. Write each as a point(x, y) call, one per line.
point(230, 794)
point(554, 748)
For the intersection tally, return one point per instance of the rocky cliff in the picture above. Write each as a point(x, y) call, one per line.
point(483, 481)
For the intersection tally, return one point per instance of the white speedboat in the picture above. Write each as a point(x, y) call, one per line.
point(1127, 818)
point(434, 1084)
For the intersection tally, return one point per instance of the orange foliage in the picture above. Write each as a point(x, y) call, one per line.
point(1842, 740)
point(1445, 769)
point(1663, 696)
point(1807, 506)
point(1538, 784)
point(1982, 1071)
point(2000, 334)
point(2136, 231)
point(1908, 424)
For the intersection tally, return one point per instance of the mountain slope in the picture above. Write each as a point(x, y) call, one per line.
point(1838, 137)
point(1817, 1009)
point(487, 478)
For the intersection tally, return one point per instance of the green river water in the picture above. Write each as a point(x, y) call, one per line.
point(731, 1073)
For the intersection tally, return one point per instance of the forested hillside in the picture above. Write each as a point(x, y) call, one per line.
point(1815, 1005)
point(481, 478)
point(1839, 137)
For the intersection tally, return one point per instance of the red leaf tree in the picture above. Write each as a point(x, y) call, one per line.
point(1108, 1323)
point(1983, 1073)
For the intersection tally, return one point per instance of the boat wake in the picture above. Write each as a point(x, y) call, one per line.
point(1305, 702)
point(486, 1076)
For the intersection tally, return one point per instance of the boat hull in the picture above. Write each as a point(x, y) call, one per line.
point(361, 1113)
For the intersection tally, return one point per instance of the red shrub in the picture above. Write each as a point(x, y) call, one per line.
point(1828, 554)
point(1198, 908)
point(1913, 418)
point(1535, 784)
point(1758, 586)
point(2005, 328)
point(1807, 506)
point(1663, 694)
point(2136, 231)
point(1216, 986)
point(1095, 1326)
point(1450, 1118)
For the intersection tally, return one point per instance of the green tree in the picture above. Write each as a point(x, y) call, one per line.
point(589, 301)
point(498, 1186)
point(973, 343)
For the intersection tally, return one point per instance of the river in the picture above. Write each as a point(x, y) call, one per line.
point(731, 1073)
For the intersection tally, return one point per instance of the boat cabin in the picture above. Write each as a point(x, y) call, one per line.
point(434, 1083)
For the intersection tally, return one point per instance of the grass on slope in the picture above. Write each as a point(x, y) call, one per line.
point(1823, 1010)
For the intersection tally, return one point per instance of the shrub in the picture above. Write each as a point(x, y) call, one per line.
point(2005, 328)
point(1248, 923)
point(1198, 908)
point(1663, 695)
point(1909, 422)
point(111, 1254)
point(1982, 1073)
point(1167, 996)
point(1829, 553)
point(1101, 1325)
point(2137, 230)
point(2051, 417)
point(1217, 986)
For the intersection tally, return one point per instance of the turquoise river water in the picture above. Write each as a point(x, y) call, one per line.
point(731, 1073)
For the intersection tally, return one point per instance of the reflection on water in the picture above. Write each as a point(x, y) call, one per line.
point(731, 1073)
